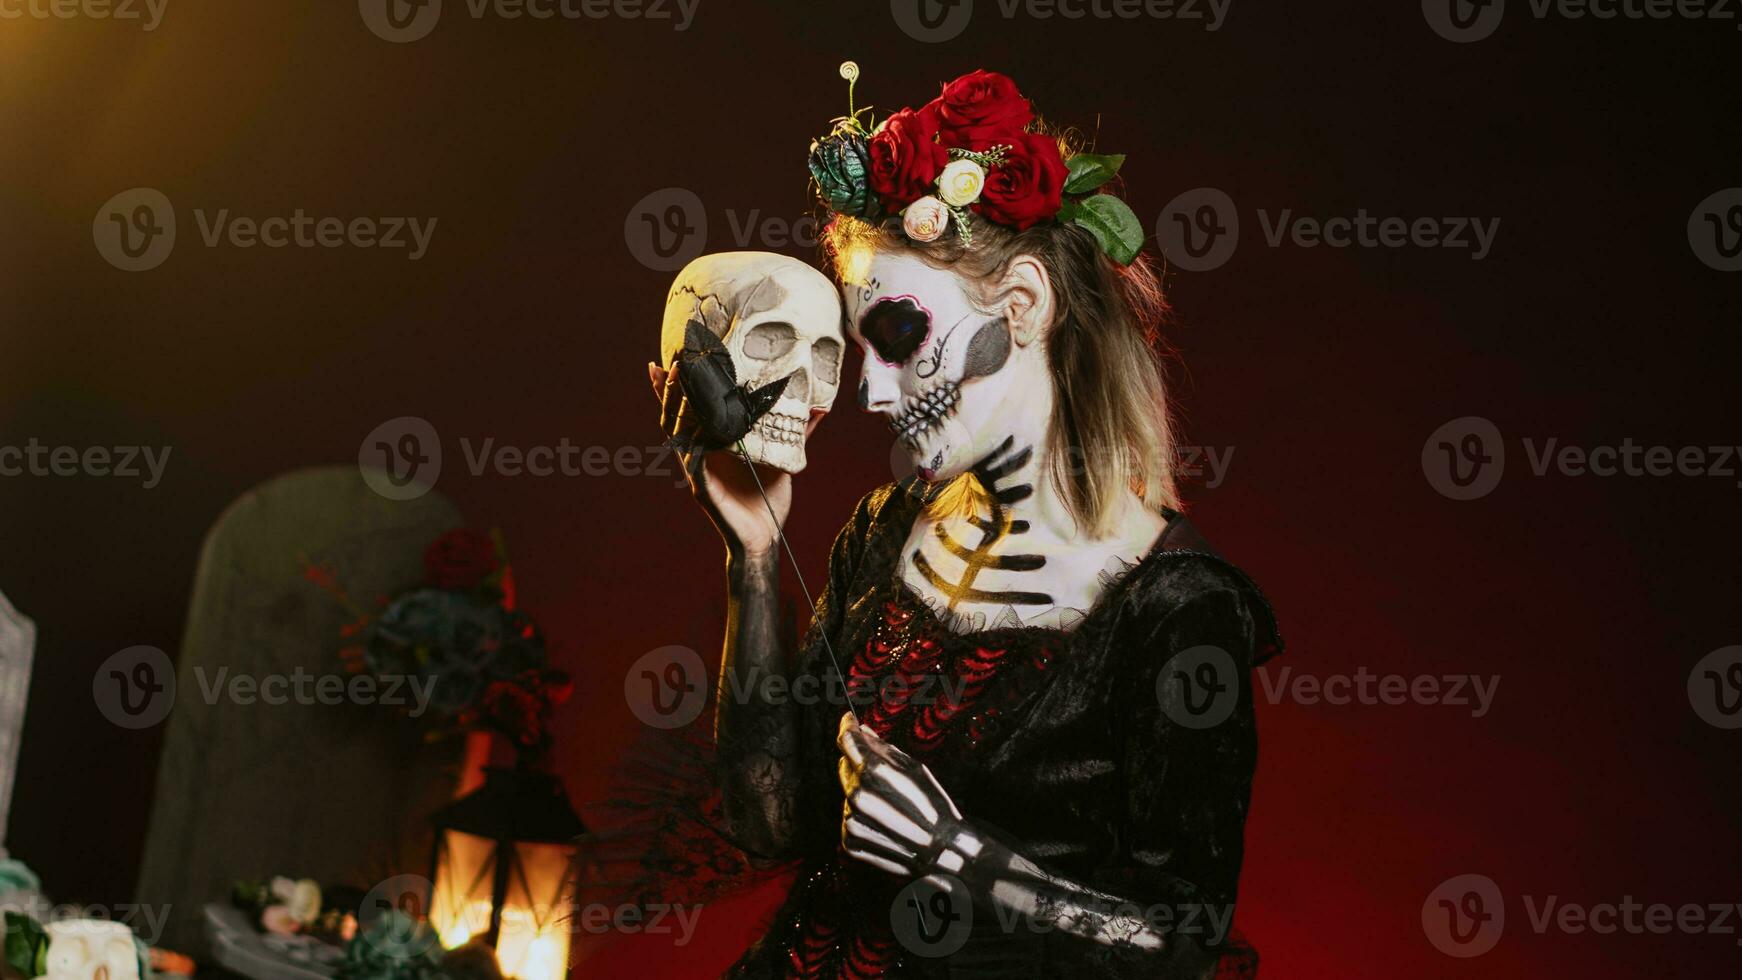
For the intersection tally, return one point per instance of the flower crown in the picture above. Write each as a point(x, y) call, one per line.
point(970, 149)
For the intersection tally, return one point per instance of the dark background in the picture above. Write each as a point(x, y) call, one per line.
point(1325, 371)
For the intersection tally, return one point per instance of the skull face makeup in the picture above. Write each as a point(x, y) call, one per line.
point(778, 318)
point(946, 371)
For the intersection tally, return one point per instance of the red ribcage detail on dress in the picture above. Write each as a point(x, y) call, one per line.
point(868, 957)
point(954, 694)
point(809, 957)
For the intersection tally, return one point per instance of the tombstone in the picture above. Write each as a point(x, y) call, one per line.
point(338, 793)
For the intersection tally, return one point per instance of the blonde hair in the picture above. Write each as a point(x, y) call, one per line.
point(1112, 428)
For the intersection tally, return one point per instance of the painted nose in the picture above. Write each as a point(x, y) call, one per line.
point(879, 386)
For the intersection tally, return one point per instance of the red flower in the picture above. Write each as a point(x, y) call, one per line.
point(982, 109)
point(906, 156)
point(460, 559)
point(1027, 187)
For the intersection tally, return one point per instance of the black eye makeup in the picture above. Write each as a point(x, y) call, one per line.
point(895, 327)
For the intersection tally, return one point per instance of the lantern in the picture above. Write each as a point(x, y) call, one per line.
point(501, 871)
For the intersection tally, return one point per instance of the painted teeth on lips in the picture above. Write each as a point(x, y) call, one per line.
point(925, 412)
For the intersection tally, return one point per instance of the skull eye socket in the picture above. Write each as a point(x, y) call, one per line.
point(895, 328)
point(826, 355)
point(767, 341)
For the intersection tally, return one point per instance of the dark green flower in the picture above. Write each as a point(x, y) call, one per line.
point(840, 165)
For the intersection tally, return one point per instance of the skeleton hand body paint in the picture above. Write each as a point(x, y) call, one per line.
point(896, 817)
point(964, 393)
point(742, 325)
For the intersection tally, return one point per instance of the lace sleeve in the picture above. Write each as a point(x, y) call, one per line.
point(781, 758)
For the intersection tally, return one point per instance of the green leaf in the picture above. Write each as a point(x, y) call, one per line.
point(1111, 222)
point(1090, 170)
point(26, 945)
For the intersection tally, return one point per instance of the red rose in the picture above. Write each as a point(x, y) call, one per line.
point(906, 157)
point(982, 109)
point(460, 559)
point(1026, 188)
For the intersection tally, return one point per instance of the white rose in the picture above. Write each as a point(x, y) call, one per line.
point(925, 219)
point(960, 183)
point(305, 901)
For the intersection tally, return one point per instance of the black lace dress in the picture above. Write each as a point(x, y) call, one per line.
point(1064, 743)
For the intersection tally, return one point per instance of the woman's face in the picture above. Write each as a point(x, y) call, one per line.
point(943, 370)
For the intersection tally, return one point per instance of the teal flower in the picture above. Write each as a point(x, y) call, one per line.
point(840, 166)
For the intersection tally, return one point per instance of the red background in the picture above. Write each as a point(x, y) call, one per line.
point(1325, 370)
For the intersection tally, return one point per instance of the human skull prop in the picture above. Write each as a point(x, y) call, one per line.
point(779, 318)
point(90, 949)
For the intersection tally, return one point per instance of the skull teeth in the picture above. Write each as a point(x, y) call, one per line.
point(926, 412)
point(782, 428)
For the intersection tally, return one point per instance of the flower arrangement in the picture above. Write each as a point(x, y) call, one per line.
point(975, 149)
point(459, 637)
point(285, 907)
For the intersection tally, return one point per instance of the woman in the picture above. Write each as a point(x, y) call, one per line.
point(1049, 764)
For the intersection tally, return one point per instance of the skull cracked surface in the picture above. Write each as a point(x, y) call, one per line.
point(778, 318)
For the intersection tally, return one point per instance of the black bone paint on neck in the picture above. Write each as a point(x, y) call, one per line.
point(993, 528)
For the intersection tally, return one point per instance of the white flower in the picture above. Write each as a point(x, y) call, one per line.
point(960, 183)
point(305, 901)
point(282, 888)
point(925, 219)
